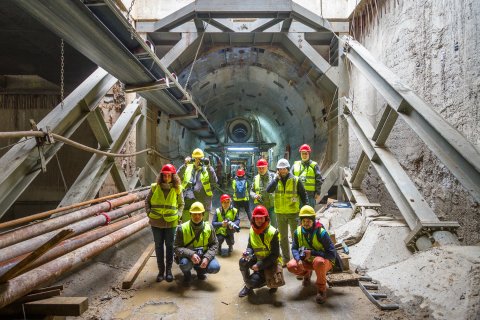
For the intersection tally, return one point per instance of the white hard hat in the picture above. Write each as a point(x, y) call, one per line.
point(283, 163)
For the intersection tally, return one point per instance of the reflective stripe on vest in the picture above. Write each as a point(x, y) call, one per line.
point(230, 215)
point(262, 192)
point(286, 200)
point(161, 207)
point(189, 235)
point(317, 245)
point(260, 249)
point(307, 176)
point(204, 178)
point(234, 186)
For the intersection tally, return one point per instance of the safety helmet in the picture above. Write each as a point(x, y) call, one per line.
point(225, 197)
point(283, 163)
point(240, 172)
point(197, 207)
point(307, 212)
point(169, 168)
point(259, 211)
point(197, 153)
point(305, 147)
point(262, 163)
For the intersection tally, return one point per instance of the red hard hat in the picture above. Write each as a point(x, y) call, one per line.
point(240, 172)
point(169, 168)
point(262, 163)
point(305, 147)
point(260, 211)
point(225, 197)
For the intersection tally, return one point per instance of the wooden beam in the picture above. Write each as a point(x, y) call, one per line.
point(135, 271)
point(58, 306)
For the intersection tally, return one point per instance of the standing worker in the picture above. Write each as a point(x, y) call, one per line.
point(289, 196)
point(222, 219)
point(163, 204)
point(198, 180)
point(240, 193)
point(259, 189)
point(309, 173)
point(312, 249)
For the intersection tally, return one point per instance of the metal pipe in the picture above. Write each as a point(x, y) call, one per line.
point(27, 232)
point(78, 227)
point(71, 244)
point(45, 214)
point(25, 283)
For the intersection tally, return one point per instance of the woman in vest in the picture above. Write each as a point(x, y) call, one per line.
point(163, 203)
point(224, 216)
point(263, 252)
point(312, 250)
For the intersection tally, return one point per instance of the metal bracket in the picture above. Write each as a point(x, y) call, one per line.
point(427, 228)
point(359, 206)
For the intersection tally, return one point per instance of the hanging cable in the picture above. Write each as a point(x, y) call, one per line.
point(62, 76)
point(196, 54)
point(130, 22)
point(61, 173)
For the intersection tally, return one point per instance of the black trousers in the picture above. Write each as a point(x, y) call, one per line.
point(245, 204)
point(229, 238)
point(253, 280)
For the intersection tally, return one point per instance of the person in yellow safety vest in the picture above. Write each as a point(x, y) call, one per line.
point(258, 191)
point(195, 246)
point(223, 216)
point(312, 249)
point(163, 204)
point(198, 181)
point(309, 173)
point(289, 196)
point(240, 193)
point(262, 252)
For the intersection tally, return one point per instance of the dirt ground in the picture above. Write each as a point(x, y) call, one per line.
point(217, 297)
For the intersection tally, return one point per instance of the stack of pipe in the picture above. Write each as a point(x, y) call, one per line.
point(93, 230)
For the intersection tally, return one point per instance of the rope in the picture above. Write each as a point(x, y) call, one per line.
point(61, 173)
point(196, 54)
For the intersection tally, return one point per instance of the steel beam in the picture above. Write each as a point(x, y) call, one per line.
point(20, 164)
point(119, 178)
point(309, 18)
point(267, 25)
point(99, 128)
point(330, 177)
point(450, 146)
point(187, 40)
point(220, 25)
point(286, 25)
point(385, 126)
point(360, 171)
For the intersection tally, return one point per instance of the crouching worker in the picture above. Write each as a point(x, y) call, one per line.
point(312, 249)
point(226, 222)
point(195, 246)
point(262, 255)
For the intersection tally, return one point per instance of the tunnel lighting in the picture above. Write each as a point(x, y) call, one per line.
point(240, 149)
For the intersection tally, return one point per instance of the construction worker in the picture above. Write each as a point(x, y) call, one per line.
point(262, 252)
point(309, 173)
point(259, 192)
point(195, 246)
point(198, 180)
point(312, 249)
point(221, 219)
point(240, 192)
point(289, 196)
point(163, 204)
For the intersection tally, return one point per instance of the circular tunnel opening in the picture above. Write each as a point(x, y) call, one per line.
point(240, 130)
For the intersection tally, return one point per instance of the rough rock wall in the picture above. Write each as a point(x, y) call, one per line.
point(433, 47)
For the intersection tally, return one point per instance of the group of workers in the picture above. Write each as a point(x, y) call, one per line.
point(285, 198)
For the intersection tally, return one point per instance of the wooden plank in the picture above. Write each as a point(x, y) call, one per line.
point(58, 306)
point(39, 296)
point(135, 271)
point(59, 287)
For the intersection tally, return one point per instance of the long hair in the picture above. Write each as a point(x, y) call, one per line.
point(176, 183)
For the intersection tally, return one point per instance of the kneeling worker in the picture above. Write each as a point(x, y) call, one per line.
point(226, 222)
point(312, 249)
point(195, 245)
point(263, 252)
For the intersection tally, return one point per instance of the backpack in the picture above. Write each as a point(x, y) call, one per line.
point(240, 188)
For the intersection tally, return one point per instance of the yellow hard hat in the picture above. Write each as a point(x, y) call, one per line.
point(197, 207)
point(307, 212)
point(197, 153)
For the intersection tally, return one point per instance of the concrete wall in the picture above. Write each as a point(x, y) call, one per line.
point(433, 47)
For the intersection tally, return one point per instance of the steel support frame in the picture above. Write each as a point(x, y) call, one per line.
point(20, 163)
point(449, 145)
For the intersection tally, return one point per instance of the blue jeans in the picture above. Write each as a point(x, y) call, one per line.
point(186, 266)
point(164, 238)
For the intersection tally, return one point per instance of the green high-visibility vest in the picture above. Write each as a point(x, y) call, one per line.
point(267, 198)
point(204, 178)
point(189, 235)
point(306, 175)
point(163, 207)
point(317, 245)
point(230, 215)
point(262, 249)
point(286, 200)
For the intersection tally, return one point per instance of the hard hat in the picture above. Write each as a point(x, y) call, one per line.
point(262, 163)
point(305, 147)
point(197, 207)
point(307, 212)
point(169, 168)
point(283, 163)
point(240, 172)
point(260, 211)
point(225, 197)
point(197, 153)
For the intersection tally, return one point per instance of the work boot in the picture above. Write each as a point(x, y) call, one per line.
point(272, 290)
point(187, 278)
point(219, 251)
point(230, 249)
point(160, 277)
point(306, 281)
point(169, 275)
point(299, 277)
point(201, 276)
point(244, 292)
point(321, 297)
